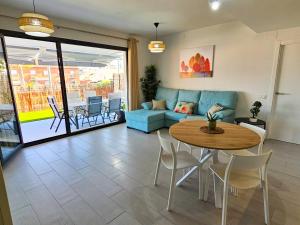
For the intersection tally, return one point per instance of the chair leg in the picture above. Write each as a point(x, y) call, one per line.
point(52, 123)
point(206, 185)
point(82, 121)
point(225, 204)
point(217, 191)
point(178, 146)
point(266, 202)
point(171, 192)
point(58, 124)
point(157, 169)
point(200, 184)
point(88, 119)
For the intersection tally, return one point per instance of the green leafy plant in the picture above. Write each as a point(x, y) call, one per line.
point(255, 109)
point(149, 83)
point(211, 117)
point(212, 121)
point(104, 83)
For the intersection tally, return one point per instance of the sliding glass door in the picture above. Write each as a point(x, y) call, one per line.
point(96, 85)
point(37, 87)
point(57, 87)
point(9, 131)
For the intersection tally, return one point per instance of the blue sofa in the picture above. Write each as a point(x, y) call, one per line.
point(148, 120)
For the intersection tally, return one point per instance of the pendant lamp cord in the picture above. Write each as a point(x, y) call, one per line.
point(156, 25)
point(33, 3)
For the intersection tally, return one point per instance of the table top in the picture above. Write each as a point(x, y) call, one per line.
point(234, 137)
point(246, 120)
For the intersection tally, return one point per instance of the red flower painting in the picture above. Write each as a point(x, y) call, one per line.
point(197, 65)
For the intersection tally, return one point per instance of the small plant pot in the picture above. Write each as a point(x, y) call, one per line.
point(253, 120)
point(212, 125)
point(121, 116)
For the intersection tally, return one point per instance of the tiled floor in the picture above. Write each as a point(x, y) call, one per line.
point(105, 177)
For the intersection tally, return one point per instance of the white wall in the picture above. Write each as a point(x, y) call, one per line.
point(243, 61)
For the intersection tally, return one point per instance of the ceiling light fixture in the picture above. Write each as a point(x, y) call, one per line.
point(156, 46)
point(35, 24)
point(214, 4)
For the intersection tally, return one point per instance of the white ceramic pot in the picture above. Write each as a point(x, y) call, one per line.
point(253, 120)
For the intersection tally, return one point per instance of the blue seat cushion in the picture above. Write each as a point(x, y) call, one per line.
point(227, 99)
point(168, 94)
point(144, 115)
point(190, 96)
point(170, 115)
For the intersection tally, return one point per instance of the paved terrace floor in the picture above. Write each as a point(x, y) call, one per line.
point(105, 177)
point(40, 129)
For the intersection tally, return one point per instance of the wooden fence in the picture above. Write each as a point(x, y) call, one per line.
point(36, 100)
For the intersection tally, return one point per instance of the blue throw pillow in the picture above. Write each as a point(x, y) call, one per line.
point(147, 105)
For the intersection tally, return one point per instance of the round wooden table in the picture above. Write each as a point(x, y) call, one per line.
point(234, 137)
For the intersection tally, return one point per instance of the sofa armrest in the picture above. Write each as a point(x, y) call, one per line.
point(147, 105)
point(225, 113)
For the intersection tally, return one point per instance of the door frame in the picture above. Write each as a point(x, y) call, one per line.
point(58, 42)
point(279, 46)
point(20, 145)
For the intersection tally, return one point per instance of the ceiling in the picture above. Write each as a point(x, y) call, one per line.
point(26, 51)
point(137, 16)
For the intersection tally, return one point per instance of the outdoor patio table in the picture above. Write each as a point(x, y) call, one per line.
point(78, 109)
point(234, 138)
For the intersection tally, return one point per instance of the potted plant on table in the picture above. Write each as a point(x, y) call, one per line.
point(254, 111)
point(212, 121)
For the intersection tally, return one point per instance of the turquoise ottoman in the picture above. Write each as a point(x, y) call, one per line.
point(145, 120)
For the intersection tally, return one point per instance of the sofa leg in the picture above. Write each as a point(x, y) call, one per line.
point(147, 132)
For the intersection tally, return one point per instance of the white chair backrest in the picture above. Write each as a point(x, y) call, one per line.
point(260, 131)
point(239, 162)
point(166, 144)
point(114, 95)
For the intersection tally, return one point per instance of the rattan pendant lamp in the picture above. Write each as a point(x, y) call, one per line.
point(156, 46)
point(35, 24)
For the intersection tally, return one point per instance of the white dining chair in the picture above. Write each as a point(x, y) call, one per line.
point(174, 161)
point(260, 132)
point(246, 152)
point(241, 172)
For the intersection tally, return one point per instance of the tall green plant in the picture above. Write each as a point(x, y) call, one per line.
point(149, 83)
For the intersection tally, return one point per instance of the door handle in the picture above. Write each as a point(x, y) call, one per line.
point(282, 93)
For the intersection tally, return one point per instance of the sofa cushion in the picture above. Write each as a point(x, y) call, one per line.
point(147, 105)
point(144, 115)
point(168, 94)
point(170, 115)
point(158, 104)
point(227, 99)
point(190, 96)
point(184, 107)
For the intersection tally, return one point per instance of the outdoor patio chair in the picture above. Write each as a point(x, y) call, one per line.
point(6, 118)
point(60, 115)
point(94, 109)
point(113, 108)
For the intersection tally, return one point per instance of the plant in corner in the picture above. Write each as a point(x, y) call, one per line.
point(255, 109)
point(149, 83)
point(212, 121)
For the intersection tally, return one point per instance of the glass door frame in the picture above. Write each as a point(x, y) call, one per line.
point(58, 42)
point(19, 146)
